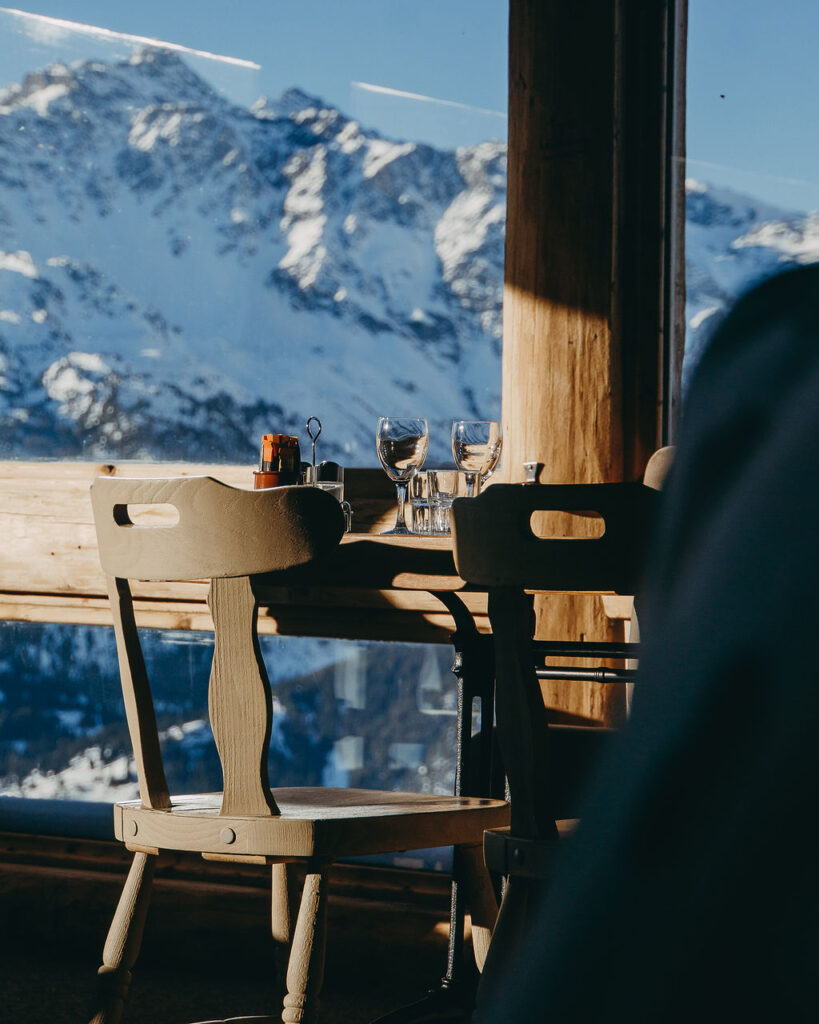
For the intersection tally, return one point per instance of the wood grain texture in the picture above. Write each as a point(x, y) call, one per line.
point(218, 531)
point(46, 516)
point(483, 903)
point(284, 902)
point(305, 969)
point(50, 571)
point(123, 942)
point(495, 544)
point(592, 202)
point(45, 512)
point(288, 525)
point(313, 822)
point(561, 389)
point(559, 363)
point(372, 618)
point(595, 95)
point(136, 695)
point(239, 700)
point(284, 909)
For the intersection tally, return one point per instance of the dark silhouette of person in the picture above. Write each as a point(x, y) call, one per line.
point(690, 889)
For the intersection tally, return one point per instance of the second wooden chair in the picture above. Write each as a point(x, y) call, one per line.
point(496, 547)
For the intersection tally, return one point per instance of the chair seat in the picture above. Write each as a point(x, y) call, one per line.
point(315, 821)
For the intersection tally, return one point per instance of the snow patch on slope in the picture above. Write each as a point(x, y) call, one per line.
point(18, 263)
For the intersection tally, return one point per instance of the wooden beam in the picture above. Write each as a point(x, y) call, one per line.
point(559, 365)
point(593, 89)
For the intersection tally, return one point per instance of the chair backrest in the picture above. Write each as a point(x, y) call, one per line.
point(658, 466)
point(221, 531)
point(226, 535)
point(496, 547)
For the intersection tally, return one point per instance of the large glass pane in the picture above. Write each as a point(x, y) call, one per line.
point(378, 716)
point(753, 187)
point(197, 248)
point(287, 210)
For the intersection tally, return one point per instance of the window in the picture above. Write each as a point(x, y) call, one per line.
point(197, 249)
point(345, 714)
point(752, 182)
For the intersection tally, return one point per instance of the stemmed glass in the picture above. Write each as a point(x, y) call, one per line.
point(402, 447)
point(476, 448)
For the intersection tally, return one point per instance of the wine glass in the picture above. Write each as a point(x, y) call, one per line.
point(402, 447)
point(476, 448)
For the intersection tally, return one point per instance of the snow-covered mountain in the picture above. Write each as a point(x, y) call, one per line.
point(179, 275)
point(731, 242)
point(376, 715)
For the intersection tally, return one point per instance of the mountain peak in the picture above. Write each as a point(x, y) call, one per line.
point(158, 60)
point(151, 75)
point(38, 90)
point(296, 101)
point(712, 204)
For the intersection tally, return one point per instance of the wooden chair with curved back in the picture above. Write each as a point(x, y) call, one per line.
point(495, 547)
point(229, 536)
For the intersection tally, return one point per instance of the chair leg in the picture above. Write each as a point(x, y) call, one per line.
point(123, 942)
point(305, 970)
point(483, 905)
point(284, 912)
point(509, 959)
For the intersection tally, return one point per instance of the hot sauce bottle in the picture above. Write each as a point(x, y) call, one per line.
point(279, 461)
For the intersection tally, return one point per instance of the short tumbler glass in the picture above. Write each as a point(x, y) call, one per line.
point(445, 485)
point(418, 489)
point(329, 476)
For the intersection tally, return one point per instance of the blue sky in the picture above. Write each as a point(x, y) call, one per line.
point(753, 76)
point(453, 50)
point(762, 137)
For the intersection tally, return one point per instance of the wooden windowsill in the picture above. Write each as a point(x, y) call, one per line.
point(373, 587)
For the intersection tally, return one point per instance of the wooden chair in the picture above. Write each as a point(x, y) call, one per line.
point(229, 536)
point(496, 547)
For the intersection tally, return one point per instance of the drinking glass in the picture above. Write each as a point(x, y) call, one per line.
point(476, 448)
point(329, 476)
point(418, 488)
point(402, 447)
point(445, 485)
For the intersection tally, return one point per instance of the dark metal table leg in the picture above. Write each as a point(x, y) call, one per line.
point(474, 671)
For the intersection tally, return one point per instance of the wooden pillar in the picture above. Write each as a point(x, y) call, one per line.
point(590, 202)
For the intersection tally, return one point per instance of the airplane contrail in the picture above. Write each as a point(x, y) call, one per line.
point(386, 91)
point(106, 33)
point(778, 178)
